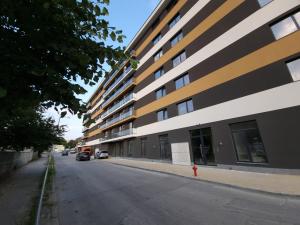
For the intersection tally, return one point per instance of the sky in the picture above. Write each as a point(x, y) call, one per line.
point(127, 15)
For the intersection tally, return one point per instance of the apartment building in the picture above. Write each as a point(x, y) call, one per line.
point(217, 84)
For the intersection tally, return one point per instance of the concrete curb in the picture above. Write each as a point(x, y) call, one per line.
point(276, 194)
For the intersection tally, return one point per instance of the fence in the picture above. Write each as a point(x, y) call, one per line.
point(10, 160)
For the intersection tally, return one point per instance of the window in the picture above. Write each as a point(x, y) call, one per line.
point(185, 107)
point(158, 55)
point(176, 39)
point(262, 3)
point(174, 21)
point(179, 59)
point(286, 26)
point(294, 68)
point(159, 73)
point(156, 39)
point(162, 115)
point(248, 143)
point(160, 93)
point(182, 81)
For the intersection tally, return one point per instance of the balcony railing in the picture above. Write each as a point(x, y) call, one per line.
point(114, 73)
point(121, 133)
point(124, 101)
point(127, 84)
point(117, 81)
point(117, 119)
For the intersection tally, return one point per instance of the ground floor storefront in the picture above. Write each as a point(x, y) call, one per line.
point(268, 139)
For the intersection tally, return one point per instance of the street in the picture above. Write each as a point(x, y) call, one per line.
point(97, 192)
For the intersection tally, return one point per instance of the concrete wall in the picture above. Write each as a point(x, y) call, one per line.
point(10, 160)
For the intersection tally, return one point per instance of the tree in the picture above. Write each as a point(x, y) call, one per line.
point(30, 129)
point(48, 45)
point(71, 144)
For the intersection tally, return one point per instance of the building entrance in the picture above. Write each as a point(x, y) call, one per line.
point(202, 146)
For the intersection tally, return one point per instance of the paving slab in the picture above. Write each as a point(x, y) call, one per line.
point(284, 184)
point(19, 191)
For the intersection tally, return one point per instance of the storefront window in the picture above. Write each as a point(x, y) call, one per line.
point(248, 143)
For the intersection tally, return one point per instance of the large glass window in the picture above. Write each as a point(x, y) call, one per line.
point(177, 38)
point(182, 81)
point(294, 68)
point(159, 73)
point(185, 107)
point(160, 93)
point(156, 39)
point(158, 55)
point(179, 59)
point(248, 143)
point(262, 3)
point(286, 26)
point(174, 21)
point(162, 115)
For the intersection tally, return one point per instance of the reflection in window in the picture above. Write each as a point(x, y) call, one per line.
point(185, 107)
point(182, 81)
point(294, 68)
point(162, 115)
point(158, 55)
point(248, 143)
point(158, 73)
point(160, 93)
point(179, 59)
point(174, 21)
point(286, 26)
point(176, 39)
point(156, 39)
point(264, 2)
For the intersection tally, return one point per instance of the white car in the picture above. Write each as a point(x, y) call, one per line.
point(101, 155)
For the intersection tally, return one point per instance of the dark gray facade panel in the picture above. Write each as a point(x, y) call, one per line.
point(237, 15)
point(262, 79)
point(279, 131)
point(165, 29)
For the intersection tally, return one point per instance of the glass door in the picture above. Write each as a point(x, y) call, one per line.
point(202, 146)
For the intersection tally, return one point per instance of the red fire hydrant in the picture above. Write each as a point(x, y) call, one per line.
point(195, 170)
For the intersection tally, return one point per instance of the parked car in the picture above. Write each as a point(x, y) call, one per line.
point(82, 156)
point(72, 151)
point(101, 155)
point(64, 153)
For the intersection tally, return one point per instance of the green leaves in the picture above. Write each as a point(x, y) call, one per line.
point(3, 92)
point(113, 35)
point(63, 114)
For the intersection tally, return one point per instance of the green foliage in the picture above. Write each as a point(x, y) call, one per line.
point(71, 144)
point(46, 47)
point(29, 128)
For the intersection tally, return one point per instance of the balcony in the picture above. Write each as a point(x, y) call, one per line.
point(117, 82)
point(125, 101)
point(114, 74)
point(120, 90)
point(121, 117)
point(119, 135)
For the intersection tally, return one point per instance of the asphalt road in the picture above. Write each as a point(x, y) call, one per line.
point(96, 192)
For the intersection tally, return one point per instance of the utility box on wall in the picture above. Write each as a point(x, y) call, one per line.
point(181, 153)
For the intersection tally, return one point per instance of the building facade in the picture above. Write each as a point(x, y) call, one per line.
point(217, 84)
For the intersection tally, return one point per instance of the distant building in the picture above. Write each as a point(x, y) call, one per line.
point(58, 148)
point(218, 83)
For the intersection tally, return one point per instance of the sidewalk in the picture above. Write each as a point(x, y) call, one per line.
point(19, 191)
point(265, 182)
